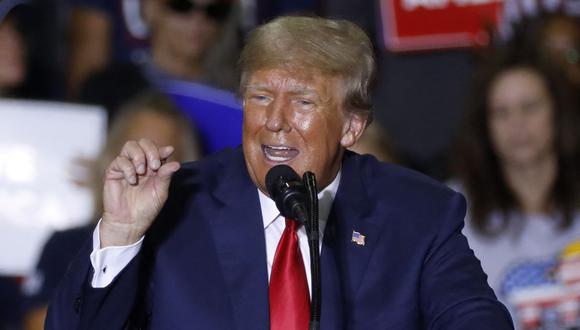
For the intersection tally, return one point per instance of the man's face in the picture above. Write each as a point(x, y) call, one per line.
point(183, 34)
point(296, 117)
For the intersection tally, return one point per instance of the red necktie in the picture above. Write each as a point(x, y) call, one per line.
point(289, 298)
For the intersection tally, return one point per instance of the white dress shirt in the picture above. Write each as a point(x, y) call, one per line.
point(108, 262)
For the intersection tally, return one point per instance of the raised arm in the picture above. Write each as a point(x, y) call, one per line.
point(135, 189)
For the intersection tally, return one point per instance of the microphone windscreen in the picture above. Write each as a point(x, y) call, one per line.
point(277, 175)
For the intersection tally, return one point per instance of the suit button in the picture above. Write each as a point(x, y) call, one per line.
point(77, 304)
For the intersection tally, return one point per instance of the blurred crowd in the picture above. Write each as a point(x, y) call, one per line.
point(499, 123)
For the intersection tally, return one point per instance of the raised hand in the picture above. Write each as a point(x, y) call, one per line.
point(135, 189)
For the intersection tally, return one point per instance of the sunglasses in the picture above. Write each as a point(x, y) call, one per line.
point(215, 11)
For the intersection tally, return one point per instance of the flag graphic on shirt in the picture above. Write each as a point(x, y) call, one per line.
point(546, 294)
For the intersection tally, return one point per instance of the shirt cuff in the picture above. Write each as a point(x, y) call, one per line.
point(108, 262)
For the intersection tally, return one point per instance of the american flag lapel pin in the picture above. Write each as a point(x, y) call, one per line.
point(358, 238)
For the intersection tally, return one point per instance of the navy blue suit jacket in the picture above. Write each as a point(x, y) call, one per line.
point(203, 262)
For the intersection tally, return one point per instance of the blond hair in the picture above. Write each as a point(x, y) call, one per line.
point(335, 47)
point(150, 101)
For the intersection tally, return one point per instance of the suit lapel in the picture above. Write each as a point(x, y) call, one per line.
point(240, 244)
point(345, 262)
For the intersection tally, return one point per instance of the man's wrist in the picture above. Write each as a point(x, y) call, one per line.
point(118, 234)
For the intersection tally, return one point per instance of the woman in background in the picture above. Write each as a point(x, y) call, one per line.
point(518, 165)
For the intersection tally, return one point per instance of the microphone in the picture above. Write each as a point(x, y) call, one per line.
point(294, 199)
point(288, 191)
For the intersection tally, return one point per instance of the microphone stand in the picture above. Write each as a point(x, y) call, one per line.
point(313, 232)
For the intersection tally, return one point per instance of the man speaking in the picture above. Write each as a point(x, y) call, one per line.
point(204, 247)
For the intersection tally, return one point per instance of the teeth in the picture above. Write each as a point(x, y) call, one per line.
point(279, 153)
point(277, 159)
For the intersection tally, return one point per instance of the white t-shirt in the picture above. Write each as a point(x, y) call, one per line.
point(523, 256)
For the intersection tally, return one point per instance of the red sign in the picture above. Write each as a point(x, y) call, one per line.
point(437, 24)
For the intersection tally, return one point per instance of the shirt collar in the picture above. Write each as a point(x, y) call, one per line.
point(325, 198)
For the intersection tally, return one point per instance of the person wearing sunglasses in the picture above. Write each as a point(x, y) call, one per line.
point(182, 32)
point(216, 11)
point(168, 38)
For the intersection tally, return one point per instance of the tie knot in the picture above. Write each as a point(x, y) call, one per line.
point(292, 224)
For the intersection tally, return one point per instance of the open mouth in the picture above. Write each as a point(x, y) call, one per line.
point(279, 154)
